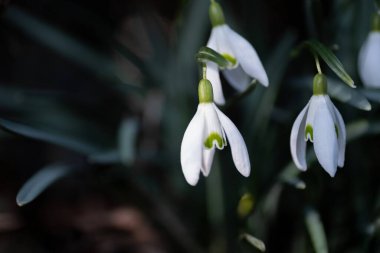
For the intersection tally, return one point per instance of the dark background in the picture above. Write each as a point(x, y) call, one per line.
point(96, 96)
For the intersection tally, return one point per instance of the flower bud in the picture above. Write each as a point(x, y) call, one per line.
point(216, 14)
point(205, 91)
point(320, 84)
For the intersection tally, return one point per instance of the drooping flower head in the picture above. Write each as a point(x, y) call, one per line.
point(321, 123)
point(369, 56)
point(210, 129)
point(245, 62)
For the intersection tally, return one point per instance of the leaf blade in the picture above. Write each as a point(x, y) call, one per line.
point(35, 185)
point(331, 60)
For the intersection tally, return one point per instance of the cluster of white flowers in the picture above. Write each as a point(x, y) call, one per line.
point(319, 122)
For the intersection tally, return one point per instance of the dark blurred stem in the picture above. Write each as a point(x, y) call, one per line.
point(215, 209)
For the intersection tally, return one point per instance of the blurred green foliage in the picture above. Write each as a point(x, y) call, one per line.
point(94, 100)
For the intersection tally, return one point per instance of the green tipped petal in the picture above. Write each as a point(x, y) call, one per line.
point(216, 14)
point(214, 136)
point(309, 132)
point(205, 91)
point(320, 84)
point(230, 58)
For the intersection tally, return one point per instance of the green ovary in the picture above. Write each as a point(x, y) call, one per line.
point(214, 136)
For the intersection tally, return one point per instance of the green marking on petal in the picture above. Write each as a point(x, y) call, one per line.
point(214, 136)
point(230, 58)
point(336, 131)
point(309, 132)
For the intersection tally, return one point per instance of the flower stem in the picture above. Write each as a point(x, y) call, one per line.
point(317, 64)
point(204, 69)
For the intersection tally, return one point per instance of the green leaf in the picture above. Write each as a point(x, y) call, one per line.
point(69, 48)
point(331, 60)
point(40, 181)
point(347, 95)
point(60, 140)
point(316, 231)
point(206, 54)
point(105, 158)
point(257, 243)
point(127, 140)
point(372, 94)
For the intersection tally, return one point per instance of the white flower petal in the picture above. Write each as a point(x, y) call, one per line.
point(340, 127)
point(208, 157)
point(246, 56)
point(238, 148)
point(213, 126)
point(297, 140)
point(212, 74)
point(314, 103)
point(341, 135)
point(191, 148)
point(222, 44)
point(211, 43)
point(325, 139)
point(369, 61)
point(237, 78)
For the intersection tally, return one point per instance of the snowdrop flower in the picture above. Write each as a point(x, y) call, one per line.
point(369, 56)
point(238, 51)
point(321, 123)
point(210, 129)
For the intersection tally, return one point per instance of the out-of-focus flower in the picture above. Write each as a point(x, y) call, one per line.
point(369, 56)
point(208, 129)
point(321, 123)
point(246, 64)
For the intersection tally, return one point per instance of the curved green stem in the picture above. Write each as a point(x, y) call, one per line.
point(317, 64)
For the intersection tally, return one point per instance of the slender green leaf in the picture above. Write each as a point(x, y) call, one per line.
point(347, 95)
point(127, 140)
point(206, 54)
point(372, 94)
point(60, 140)
point(108, 157)
point(331, 60)
point(257, 243)
point(317, 233)
point(40, 181)
point(68, 47)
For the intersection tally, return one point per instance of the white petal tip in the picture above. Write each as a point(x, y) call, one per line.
point(301, 168)
point(245, 172)
point(332, 173)
point(264, 82)
point(192, 180)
